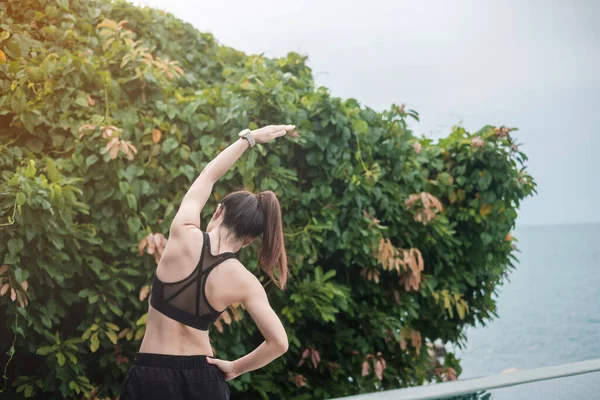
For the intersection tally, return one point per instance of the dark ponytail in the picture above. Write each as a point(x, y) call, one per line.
point(248, 216)
point(272, 253)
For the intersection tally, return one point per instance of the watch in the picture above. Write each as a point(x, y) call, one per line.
point(247, 134)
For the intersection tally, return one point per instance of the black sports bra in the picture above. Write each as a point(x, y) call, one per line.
point(185, 301)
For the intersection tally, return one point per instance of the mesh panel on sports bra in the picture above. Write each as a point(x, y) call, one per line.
point(185, 300)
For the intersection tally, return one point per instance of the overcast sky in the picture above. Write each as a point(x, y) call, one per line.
point(530, 64)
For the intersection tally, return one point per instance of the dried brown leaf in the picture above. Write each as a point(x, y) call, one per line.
point(144, 291)
point(219, 326)
point(142, 245)
point(226, 318)
point(156, 135)
point(4, 289)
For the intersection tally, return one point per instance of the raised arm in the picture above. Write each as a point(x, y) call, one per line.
point(196, 197)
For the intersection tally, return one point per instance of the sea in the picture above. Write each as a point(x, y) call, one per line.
point(548, 314)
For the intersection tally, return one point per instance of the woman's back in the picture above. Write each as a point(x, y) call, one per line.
point(197, 285)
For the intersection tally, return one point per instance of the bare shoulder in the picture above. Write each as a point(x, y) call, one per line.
point(238, 275)
point(230, 283)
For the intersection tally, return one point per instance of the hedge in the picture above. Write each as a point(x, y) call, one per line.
point(108, 112)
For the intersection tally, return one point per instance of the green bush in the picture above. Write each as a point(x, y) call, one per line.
point(394, 241)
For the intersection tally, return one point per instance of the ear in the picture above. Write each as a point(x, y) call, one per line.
point(247, 242)
point(218, 212)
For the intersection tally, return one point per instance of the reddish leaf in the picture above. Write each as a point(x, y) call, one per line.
point(378, 369)
point(24, 285)
point(13, 294)
point(107, 131)
point(160, 241)
point(316, 358)
point(4, 289)
point(365, 368)
point(450, 374)
point(151, 243)
point(85, 127)
point(305, 354)
point(477, 142)
point(403, 343)
point(3, 269)
point(113, 148)
point(91, 102)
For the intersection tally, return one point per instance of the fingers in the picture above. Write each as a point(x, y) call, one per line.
point(279, 134)
point(282, 127)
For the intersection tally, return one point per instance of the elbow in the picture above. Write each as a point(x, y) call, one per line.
point(282, 345)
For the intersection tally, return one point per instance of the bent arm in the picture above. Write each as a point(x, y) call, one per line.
point(276, 341)
point(196, 197)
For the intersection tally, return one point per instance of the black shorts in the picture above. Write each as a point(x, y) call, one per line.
point(158, 376)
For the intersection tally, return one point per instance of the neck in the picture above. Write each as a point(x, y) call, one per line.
point(221, 242)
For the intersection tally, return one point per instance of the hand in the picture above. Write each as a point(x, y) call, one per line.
point(271, 132)
point(226, 367)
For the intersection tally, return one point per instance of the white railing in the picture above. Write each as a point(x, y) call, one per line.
point(471, 386)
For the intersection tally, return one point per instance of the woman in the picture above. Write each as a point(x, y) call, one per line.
point(199, 275)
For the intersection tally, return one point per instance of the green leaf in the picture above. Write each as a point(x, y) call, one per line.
point(326, 191)
point(53, 173)
point(142, 320)
point(21, 275)
point(94, 342)
point(131, 201)
point(21, 198)
point(35, 145)
point(30, 171)
point(91, 160)
point(169, 145)
point(81, 100)
point(60, 357)
point(28, 391)
point(445, 178)
point(140, 333)
point(124, 187)
point(112, 326)
point(486, 238)
point(15, 245)
point(359, 126)
point(112, 336)
point(45, 350)
point(206, 140)
point(72, 358)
